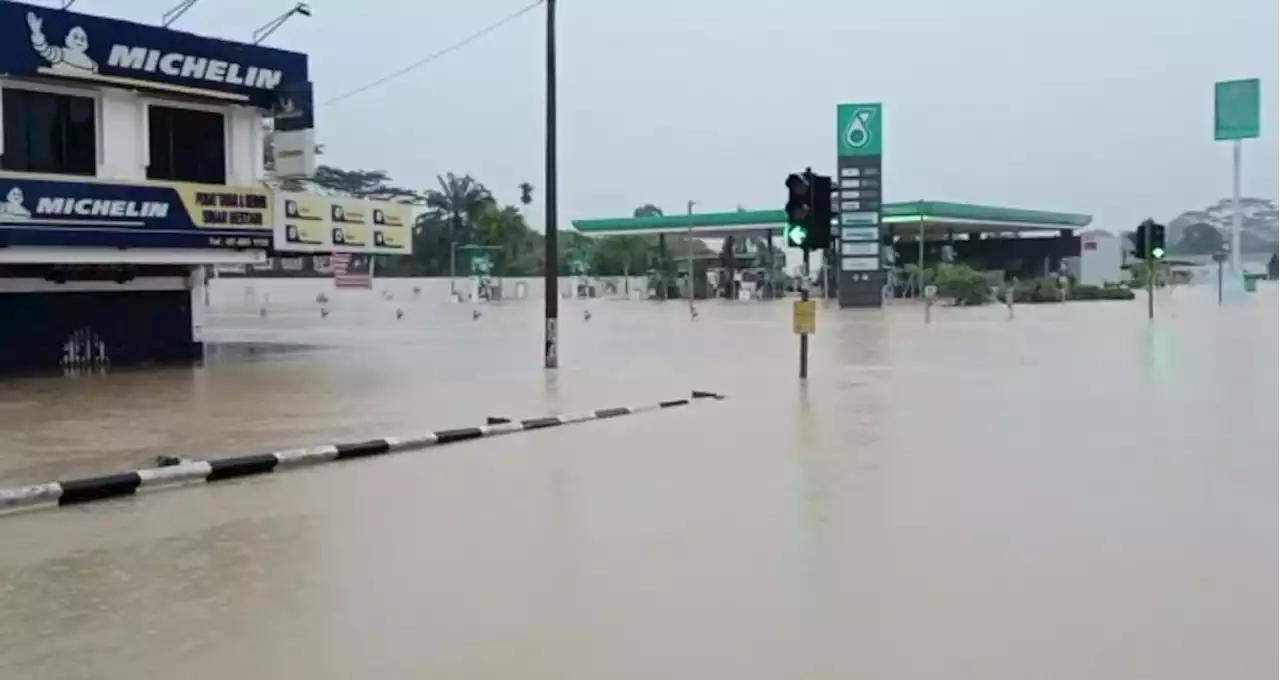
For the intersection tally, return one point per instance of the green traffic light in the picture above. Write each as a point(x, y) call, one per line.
point(1157, 253)
point(795, 235)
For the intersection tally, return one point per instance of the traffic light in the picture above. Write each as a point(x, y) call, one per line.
point(1148, 241)
point(808, 211)
point(820, 223)
point(1155, 232)
point(1139, 250)
point(798, 209)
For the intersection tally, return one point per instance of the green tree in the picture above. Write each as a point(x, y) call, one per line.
point(1199, 239)
point(623, 255)
point(373, 185)
point(503, 228)
point(430, 246)
point(458, 202)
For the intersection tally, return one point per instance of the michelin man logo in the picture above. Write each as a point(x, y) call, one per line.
point(12, 209)
point(70, 58)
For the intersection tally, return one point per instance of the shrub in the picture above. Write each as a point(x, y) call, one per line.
point(1107, 292)
point(962, 285)
point(1038, 290)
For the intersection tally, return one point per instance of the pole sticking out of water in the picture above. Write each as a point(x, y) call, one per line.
point(551, 260)
point(1237, 216)
point(1151, 275)
point(693, 311)
point(804, 337)
point(1219, 258)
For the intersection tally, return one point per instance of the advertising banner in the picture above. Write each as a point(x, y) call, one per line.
point(91, 213)
point(42, 41)
point(311, 223)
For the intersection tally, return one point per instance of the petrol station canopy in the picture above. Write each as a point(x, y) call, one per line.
point(907, 219)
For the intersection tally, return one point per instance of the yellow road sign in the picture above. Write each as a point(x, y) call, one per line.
point(804, 316)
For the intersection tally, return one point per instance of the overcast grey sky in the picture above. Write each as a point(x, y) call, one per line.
point(1095, 106)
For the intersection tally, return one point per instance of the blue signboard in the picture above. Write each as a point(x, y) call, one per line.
point(42, 212)
point(294, 108)
point(46, 42)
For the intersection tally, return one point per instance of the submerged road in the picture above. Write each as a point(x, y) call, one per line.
point(1076, 493)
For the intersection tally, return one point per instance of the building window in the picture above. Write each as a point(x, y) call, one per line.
point(186, 145)
point(47, 132)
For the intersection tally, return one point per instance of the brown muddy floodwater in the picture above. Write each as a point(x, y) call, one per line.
point(1073, 494)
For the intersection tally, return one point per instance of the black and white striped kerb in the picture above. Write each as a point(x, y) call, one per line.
point(88, 489)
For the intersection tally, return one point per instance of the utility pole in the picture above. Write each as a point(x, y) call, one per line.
point(551, 269)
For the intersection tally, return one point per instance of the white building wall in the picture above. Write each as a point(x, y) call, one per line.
point(122, 132)
point(122, 135)
point(1101, 259)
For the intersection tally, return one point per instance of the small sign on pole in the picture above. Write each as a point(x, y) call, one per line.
point(804, 317)
point(1237, 115)
point(930, 296)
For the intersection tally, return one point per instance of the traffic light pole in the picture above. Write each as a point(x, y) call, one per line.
point(804, 337)
point(1151, 275)
point(1219, 259)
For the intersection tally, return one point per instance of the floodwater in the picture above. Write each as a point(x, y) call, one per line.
point(1074, 493)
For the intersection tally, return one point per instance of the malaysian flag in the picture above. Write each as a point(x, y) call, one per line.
point(352, 271)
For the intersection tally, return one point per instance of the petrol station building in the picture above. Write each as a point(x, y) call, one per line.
point(132, 157)
point(1014, 241)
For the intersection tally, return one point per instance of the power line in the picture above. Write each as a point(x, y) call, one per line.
point(432, 57)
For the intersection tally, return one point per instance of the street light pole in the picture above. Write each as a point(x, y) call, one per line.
point(551, 259)
point(692, 312)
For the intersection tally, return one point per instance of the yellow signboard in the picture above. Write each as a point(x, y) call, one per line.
point(306, 224)
point(225, 207)
point(804, 317)
point(350, 221)
point(321, 224)
point(391, 224)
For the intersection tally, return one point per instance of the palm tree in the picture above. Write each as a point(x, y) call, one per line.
point(459, 200)
point(457, 203)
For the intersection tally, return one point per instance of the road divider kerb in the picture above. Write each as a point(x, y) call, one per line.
point(187, 472)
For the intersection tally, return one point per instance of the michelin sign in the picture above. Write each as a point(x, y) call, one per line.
point(43, 212)
point(44, 42)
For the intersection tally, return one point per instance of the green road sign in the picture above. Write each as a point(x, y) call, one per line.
point(858, 130)
point(481, 264)
point(1237, 109)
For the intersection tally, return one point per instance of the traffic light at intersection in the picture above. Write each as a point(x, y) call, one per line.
point(1148, 241)
point(808, 211)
